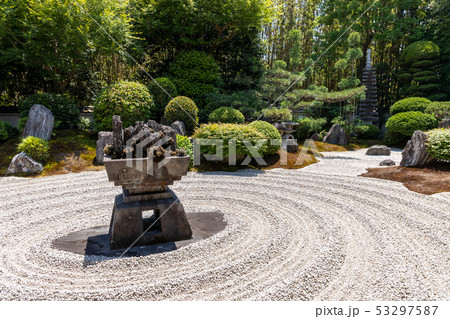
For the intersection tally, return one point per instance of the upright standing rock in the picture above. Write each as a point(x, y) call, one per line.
point(179, 127)
point(415, 152)
point(40, 122)
point(104, 138)
point(336, 135)
point(117, 142)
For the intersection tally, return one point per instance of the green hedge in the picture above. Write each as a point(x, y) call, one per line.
point(183, 142)
point(159, 92)
point(130, 100)
point(308, 126)
point(37, 148)
point(368, 131)
point(423, 73)
point(7, 131)
point(271, 133)
point(227, 132)
point(182, 109)
point(410, 104)
point(439, 109)
point(428, 88)
point(195, 74)
point(64, 109)
point(226, 115)
point(419, 50)
point(407, 122)
point(438, 144)
point(426, 79)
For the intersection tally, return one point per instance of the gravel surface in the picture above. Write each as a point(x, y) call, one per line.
point(319, 233)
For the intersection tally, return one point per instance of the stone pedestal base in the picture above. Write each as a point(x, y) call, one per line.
point(169, 222)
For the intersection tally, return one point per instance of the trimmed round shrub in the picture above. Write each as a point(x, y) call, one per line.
point(396, 139)
point(271, 133)
point(64, 109)
point(409, 104)
point(426, 79)
point(423, 73)
point(195, 74)
point(367, 131)
point(419, 50)
point(160, 97)
point(7, 131)
point(405, 77)
point(35, 147)
point(130, 100)
point(308, 126)
point(227, 132)
point(275, 115)
point(438, 144)
point(428, 88)
point(407, 122)
point(226, 115)
point(439, 109)
point(183, 109)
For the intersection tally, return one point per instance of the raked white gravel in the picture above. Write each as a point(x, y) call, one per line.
point(319, 233)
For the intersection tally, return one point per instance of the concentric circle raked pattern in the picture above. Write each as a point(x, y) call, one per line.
point(320, 233)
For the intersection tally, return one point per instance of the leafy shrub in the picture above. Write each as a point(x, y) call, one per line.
point(271, 134)
point(228, 132)
point(63, 108)
point(426, 79)
point(407, 122)
point(368, 131)
point(195, 74)
point(130, 100)
point(226, 115)
point(438, 144)
point(428, 88)
point(396, 139)
point(85, 124)
point(275, 115)
point(420, 50)
point(22, 123)
point(185, 143)
point(7, 131)
point(160, 97)
point(308, 126)
point(410, 104)
point(35, 147)
point(183, 109)
point(439, 109)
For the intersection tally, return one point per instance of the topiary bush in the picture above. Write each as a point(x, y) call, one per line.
point(275, 115)
point(308, 126)
point(228, 132)
point(419, 50)
point(406, 123)
point(438, 144)
point(271, 134)
point(35, 147)
point(409, 104)
point(64, 109)
point(195, 74)
point(7, 131)
point(226, 115)
point(160, 97)
point(183, 142)
point(183, 109)
point(368, 131)
point(439, 109)
point(130, 100)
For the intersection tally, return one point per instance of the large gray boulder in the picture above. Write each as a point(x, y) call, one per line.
point(22, 163)
point(415, 152)
point(179, 127)
point(336, 135)
point(378, 150)
point(445, 123)
point(40, 122)
point(104, 138)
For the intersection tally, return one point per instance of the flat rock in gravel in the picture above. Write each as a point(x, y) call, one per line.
point(336, 135)
point(104, 138)
point(22, 163)
point(387, 162)
point(415, 152)
point(379, 150)
point(40, 123)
